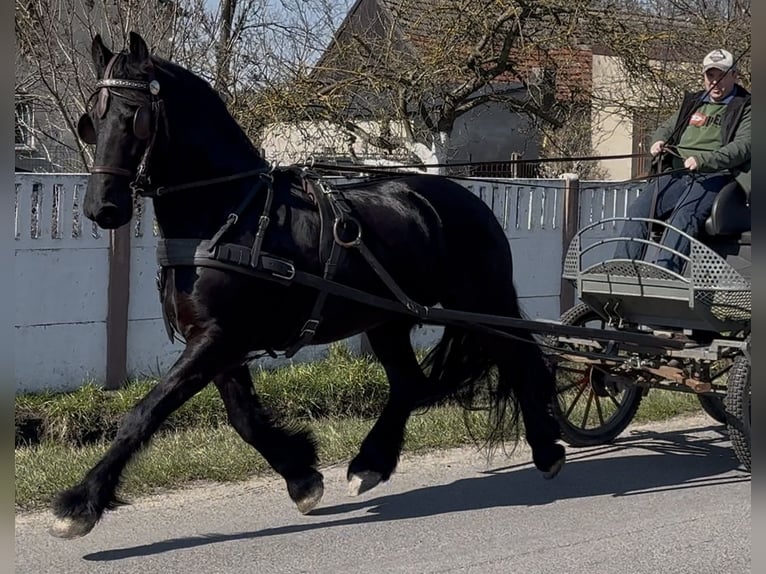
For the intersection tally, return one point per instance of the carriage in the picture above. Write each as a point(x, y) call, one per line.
point(704, 314)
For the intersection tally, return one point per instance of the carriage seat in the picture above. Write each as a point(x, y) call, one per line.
point(730, 215)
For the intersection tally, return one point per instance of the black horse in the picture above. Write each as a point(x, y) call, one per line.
point(252, 259)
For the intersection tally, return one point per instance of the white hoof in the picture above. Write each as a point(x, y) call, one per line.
point(69, 528)
point(309, 502)
point(363, 481)
point(554, 470)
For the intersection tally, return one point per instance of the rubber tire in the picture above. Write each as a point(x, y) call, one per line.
point(737, 402)
point(573, 434)
point(714, 406)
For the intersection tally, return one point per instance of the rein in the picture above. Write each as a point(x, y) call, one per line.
point(164, 190)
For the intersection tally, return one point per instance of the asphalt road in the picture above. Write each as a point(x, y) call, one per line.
point(664, 499)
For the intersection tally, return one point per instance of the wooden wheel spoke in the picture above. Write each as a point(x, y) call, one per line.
point(565, 369)
point(568, 387)
point(574, 401)
point(599, 411)
point(587, 410)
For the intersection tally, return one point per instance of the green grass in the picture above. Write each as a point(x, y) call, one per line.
point(659, 405)
point(217, 454)
point(210, 454)
point(60, 436)
point(343, 385)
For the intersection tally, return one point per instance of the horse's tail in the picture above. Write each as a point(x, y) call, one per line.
point(462, 369)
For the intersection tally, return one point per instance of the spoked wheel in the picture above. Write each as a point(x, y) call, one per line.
point(591, 408)
point(737, 404)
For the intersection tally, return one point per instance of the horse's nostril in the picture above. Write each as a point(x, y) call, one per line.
point(107, 217)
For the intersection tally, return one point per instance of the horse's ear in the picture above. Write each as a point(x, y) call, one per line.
point(101, 55)
point(139, 52)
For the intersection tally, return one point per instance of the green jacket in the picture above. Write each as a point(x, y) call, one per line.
point(734, 153)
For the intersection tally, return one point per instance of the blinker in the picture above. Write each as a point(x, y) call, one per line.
point(142, 123)
point(85, 129)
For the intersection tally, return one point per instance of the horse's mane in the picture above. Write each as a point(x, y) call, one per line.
point(195, 94)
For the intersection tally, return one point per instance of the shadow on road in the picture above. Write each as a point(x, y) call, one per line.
point(678, 460)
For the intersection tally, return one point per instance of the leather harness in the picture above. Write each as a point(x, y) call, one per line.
point(336, 220)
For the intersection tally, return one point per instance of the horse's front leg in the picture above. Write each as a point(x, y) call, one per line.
point(79, 508)
point(379, 453)
point(292, 452)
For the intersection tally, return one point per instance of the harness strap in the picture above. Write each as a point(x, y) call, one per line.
point(416, 308)
point(238, 211)
point(263, 223)
point(309, 328)
point(228, 256)
point(331, 205)
point(342, 212)
point(326, 206)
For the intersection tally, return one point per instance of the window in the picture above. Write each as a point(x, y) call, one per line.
point(645, 122)
point(24, 121)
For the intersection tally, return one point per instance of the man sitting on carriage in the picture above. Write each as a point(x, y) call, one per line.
point(698, 150)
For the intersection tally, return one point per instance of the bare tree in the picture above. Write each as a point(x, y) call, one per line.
point(53, 70)
point(237, 46)
point(399, 79)
point(660, 45)
point(396, 80)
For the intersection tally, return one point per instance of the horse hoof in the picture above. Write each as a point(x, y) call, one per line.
point(554, 469)
point(306, 492)
point(363, 481)
point(70, 528)
point(310, 500)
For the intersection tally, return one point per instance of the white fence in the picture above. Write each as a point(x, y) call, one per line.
point(62, 275)
point(62, 271)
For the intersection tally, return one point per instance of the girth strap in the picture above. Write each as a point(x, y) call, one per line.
point(227, 256)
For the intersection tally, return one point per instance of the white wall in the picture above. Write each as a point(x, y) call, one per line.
point(612, 128)
point(61, 277)
point(485, 133)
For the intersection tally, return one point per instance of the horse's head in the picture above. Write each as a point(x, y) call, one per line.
point(122, 122)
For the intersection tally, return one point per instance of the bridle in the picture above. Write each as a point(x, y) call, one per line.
point(146, 122)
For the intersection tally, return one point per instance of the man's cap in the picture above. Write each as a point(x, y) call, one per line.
point(721, 59)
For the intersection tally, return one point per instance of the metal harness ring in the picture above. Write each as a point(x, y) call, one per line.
point(335, 232)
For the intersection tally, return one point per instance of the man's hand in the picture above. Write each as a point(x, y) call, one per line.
point(656, 147)
point(691, 163)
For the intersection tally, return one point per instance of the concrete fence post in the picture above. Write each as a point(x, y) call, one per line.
point(118, 298)
point(571, 224)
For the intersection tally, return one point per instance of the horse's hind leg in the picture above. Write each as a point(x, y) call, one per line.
point(290, 452)
point(79, 508)
point(379, 453)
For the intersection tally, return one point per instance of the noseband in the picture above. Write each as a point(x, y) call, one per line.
point(146, 121)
